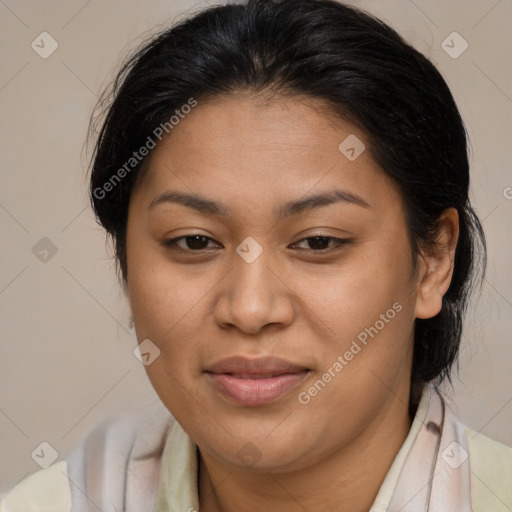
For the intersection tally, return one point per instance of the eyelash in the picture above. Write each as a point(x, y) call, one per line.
point(339, 244)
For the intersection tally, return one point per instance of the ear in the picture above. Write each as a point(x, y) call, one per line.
point(435, 267)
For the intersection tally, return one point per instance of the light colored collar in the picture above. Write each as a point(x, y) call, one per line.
point(385, 493)
point(435, 476)
point(418, 479)
point(177, 487)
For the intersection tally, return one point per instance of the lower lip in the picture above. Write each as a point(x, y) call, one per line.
point(253, 392)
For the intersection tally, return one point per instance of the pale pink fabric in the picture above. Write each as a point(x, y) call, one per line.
point(117, 468)
point(435, 476)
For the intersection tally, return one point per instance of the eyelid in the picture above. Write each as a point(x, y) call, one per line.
point(171, 243)
point(338, 243)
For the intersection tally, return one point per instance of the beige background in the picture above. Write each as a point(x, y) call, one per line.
point(67, 358)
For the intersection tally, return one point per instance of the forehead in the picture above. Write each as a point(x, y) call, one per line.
point(233, 125)
point(239, 147)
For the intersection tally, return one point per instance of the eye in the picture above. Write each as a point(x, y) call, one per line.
point(193, 243)
point(198, 243)
point(319, 243)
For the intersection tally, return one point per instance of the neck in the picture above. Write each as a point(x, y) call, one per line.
point(350, 476)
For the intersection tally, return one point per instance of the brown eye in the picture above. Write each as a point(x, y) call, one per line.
point(320, 243)
point(192, 243)
point(198, 243)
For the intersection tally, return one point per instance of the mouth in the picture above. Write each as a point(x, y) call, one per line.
point(255, 382)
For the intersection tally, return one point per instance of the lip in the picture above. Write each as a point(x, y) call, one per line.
point(255, 381)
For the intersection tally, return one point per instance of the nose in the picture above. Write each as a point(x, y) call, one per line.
point(254, 295)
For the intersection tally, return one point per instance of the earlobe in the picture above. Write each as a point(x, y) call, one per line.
point(428, 300)
point(436, 267)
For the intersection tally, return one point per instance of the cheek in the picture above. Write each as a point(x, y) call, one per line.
point(167, 311)
point(369, 307)
point(160, 293)
point(371, 333)
point(355, 295)
point(172, 308)
point(167, 299)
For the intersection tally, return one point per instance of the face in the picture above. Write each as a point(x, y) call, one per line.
point(285, 326)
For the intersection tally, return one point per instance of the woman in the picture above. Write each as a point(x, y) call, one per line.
point(286, 183)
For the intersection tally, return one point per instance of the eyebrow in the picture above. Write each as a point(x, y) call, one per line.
point(288, 209)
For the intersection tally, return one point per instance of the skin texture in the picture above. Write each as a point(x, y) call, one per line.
point(291, 302)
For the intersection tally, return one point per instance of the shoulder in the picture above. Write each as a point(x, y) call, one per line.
point(102, 455)
point(120, 435)
point(491, 473)
point(46, 490)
